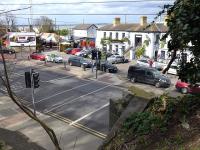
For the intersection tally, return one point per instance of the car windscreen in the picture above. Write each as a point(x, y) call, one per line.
point(156, 73)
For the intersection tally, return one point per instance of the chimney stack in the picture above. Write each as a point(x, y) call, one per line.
point(116, 21)
point(143, 20)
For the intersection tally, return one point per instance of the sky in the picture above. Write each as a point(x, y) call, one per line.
point(116, 8)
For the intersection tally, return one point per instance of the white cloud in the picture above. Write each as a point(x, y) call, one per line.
point(147, 7)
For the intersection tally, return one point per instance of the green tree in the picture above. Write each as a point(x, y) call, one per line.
point(184, 30)
point(63, 32)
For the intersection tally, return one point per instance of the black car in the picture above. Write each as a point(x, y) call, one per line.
point(7, 51)
point(79, 61)
point(147, 75)
point(107, 67)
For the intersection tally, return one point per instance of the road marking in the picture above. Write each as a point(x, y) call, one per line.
point(77, 125)
point(65, 77)
point(89, 114)
point(77, 98)
point(57, 104)
point(61, 92)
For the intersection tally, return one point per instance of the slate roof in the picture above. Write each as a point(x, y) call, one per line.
point(135, 27)
point(83, 26)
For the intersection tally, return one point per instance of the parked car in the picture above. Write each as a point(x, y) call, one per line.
point(7, 51)
point(74, 51)
point(83, 53)
point(68, 50)
point(79, 61)
point(145, 62)
point(54, 58)
point(38, 56)
point(184, 87)
point(117, 59)
point(172, 70)
point(147, 75)
point(108, 67)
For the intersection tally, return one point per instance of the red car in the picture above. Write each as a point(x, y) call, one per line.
point(37, 56)
point(75, 50)
point(68, 50)
point(184, 88)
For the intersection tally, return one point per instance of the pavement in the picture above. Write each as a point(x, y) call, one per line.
point(12, 119)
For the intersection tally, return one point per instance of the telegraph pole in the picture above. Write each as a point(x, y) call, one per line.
point(31, 17)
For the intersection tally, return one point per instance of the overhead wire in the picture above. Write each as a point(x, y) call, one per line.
point(90, 2)
point(85, 14)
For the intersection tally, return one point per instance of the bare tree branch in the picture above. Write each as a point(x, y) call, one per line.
point(24, 108)
point(173, 57)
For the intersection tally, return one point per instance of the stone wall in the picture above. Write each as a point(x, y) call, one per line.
point(121, 109)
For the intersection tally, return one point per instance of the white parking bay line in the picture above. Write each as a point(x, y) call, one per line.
point(77, 98)
point(61, 93)
point(89, 114)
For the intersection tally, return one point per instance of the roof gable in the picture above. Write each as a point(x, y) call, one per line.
point(84, 26)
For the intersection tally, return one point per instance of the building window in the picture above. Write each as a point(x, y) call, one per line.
point(104, 34)
point(138, 40)
point(117, 34)
point(105, 47)
point(123, 49)
point(116, 48)
point(110, 48)
point(123, 35)
point(157, 39)
point(162, 55)
point(111, 35)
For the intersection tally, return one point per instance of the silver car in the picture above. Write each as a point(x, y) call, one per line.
point(115, 59)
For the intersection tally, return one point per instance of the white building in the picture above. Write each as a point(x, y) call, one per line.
point(85, 31)
point(119, 38)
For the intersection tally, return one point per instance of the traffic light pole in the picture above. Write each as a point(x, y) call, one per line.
point(33, 92)
point(92, 65)
point(96, 68)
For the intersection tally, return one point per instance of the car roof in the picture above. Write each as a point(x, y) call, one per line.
point(143, 67)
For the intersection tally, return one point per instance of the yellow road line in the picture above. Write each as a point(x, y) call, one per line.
point(77, 125)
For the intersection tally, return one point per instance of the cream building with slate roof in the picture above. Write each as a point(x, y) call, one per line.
point(120, 38)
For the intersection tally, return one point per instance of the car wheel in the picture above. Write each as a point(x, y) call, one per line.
point(157, 85)
point(132, 80)
point(184, 90)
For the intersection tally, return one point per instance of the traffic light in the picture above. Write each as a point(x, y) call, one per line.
point(36, 79)
point(28, 79)
point(94, 54)
point(99, 55)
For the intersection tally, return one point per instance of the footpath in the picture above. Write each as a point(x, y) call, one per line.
point(20, 132)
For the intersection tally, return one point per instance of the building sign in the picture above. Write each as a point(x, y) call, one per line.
point(21, 38)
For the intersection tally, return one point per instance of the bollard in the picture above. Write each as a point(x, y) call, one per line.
point(45, 61)
point(84, 67)
point(65, 65)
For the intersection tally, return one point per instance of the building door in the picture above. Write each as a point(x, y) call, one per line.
point(138, 40)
